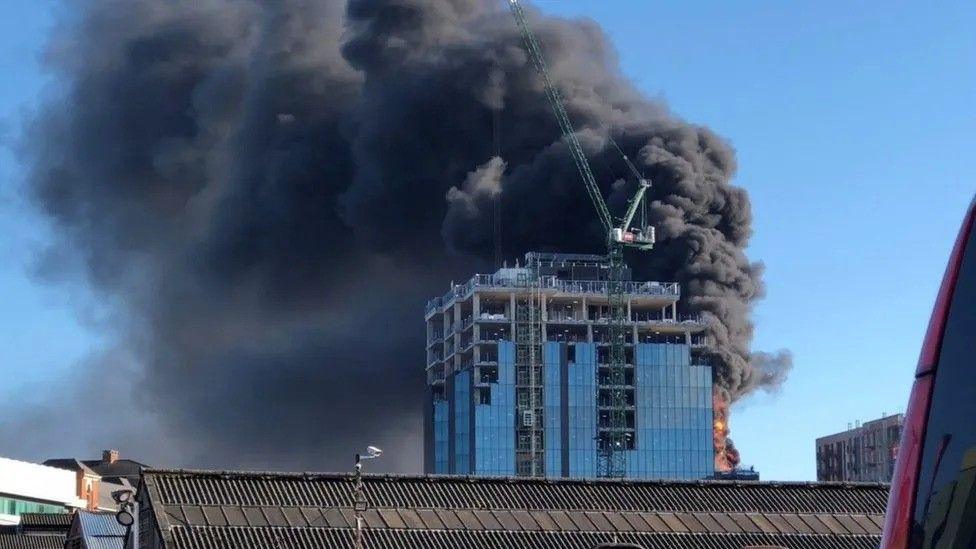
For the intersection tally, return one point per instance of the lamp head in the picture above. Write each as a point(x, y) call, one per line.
point(122, 496)
point(124, 518)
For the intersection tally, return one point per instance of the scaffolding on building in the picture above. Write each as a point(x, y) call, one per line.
point(528, 373)
point(614, 437)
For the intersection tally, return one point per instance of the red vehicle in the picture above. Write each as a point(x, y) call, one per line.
point(933, 492)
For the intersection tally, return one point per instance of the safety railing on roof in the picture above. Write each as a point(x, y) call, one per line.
point(664, 289)
point(657, 318)
point(668, 289)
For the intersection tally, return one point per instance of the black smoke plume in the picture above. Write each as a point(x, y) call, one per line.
point(266, 193)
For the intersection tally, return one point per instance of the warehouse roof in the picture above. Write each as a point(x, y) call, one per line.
point(36, 531)
point(94, 530)
point(21, 541)
point(298, 510)
point(45, 521)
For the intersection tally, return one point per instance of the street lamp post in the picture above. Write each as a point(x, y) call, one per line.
point(359, 496)
point(128, 516)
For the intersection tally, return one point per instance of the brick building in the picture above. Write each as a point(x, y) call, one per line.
point(865, 453)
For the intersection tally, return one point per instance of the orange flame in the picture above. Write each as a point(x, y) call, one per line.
point(726, 455)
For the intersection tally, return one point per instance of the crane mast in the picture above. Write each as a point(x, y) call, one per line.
point(615, 436)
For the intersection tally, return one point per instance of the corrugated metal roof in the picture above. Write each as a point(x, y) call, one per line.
point(19, 541)
point(99, 531)
point(445, 492)
point(205, 509)
point(219, 538)
point(46, 520)
point(514, 520)
point(99, 524)
point(104, 543)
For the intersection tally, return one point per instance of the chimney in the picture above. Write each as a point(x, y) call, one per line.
point(110, 456)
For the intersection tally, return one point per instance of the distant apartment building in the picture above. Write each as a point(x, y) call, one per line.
point(864, 453)
point(488, 413)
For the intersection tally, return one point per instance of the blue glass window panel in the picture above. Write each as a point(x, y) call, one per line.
point(551, 396)
point(674, 417)
point(462, 422)
point(495, 423)
point(582, 411)
point(441, 410)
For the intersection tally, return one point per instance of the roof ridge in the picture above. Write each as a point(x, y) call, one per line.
point(510, 480)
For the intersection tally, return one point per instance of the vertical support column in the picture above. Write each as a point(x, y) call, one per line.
point(511, 316)
point(456, 359)
point(630, 318)
point(544, 313)
point(445, 327)
point(476, 330)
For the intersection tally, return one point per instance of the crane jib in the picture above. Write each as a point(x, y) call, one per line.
point(643, 238)
point(562, 118)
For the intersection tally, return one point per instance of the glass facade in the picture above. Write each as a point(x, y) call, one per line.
point(441, 425)
point(494, 419)
point(552, 403)
point(582, 411)
point(674, 415)
point(462, 422)
point(672, 403)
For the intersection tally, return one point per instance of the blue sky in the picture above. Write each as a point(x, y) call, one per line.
point(42, 333)
point(853, 123)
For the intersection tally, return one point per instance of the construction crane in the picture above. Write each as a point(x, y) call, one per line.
point(614, 434)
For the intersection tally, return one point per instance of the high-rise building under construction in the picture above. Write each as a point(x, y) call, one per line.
point(520, 383)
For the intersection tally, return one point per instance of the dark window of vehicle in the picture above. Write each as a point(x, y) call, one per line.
point(945, 505)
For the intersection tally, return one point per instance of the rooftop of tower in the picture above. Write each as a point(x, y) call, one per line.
point(583, 274)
